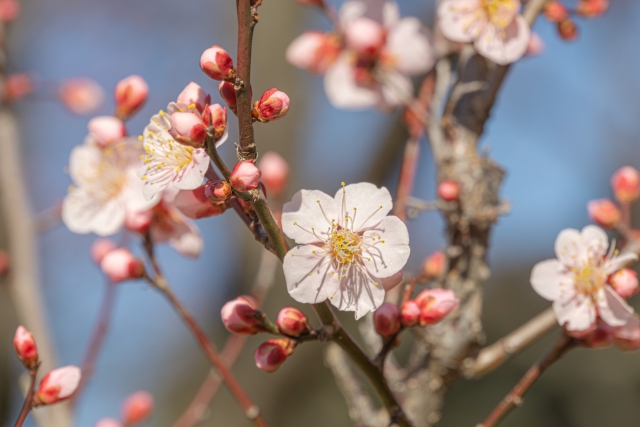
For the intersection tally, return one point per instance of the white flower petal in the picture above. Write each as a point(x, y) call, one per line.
point(504, 46)
point(568, 246)
point(409, 42)
point(596, 240)
point(575, 313)
point(387, 249)
point(83, 213)
point(618, 262)
point(304, 212)
point(372, 204)
point(192, 175)
point(308, 275)
point(455, 19)
point(83, 163)
point(357, 292)
point(547, 278)
point(342, 89)
point(613, 310)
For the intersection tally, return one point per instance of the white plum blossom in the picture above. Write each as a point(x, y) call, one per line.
point(105, 187)
point(350, 251)
point(496, 28)
point(576, 281)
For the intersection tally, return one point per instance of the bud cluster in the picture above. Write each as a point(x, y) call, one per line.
point(556, 12)
point(625, 183)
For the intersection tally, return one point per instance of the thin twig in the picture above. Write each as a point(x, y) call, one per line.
point(28, 400)
point(246, 22)
point(407, 177)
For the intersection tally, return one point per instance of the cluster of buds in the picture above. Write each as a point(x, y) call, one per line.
point(556, 12)
point(625, 183)
point(239, 316)
point(118, 264)
point(601, 335)
point(272, 105)
point(272, 353)
point(135, 410)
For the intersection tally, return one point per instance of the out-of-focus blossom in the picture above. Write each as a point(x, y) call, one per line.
point(193, 94)
point(100, 247)
point(275, 171)
point(228, 95)
point(57, 385)
point(137, 408)
point(386, 319)
point(449, 191)
point(81, 95)
point(5, 262)
point(108, 422)
point(217, 190)
point(138, 221)
point(25, 347)
point(237, 316)
point(9, 10)
point(195, 205)
point(216, 63)
point(120, 265)
point(410, 313)
point(536, 45)
point(271, 354)
point(435, 304)
point(17, 86)
point(432, 266)
point(495, 27)
point(131, 93)
point(576, 281)
point(625, 282)
point(626, 184)
point(245, 176)
point(188, 129)
point(567, 29)
point(273, 105)
point(106, 130)
point(348, 244)
point(604, 213)
point(555, 11)
point(292, 321)
point(105, 187)
point(627, 337)
point(314, 51)
point(592, 8)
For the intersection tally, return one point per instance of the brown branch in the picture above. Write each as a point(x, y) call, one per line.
point(246, 22)
point(28, 400)
point(407, 177)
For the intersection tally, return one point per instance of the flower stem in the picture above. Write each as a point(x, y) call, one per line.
point(28, 400)
point(246, 22)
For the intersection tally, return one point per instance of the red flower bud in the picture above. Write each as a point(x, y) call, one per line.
point(604, 213)
point(409, 314)
point(217, 190)
point(136, 408)
point(592, 8)
point(626, 184)
point(25, 347)
point(555, 11)
point(100, 248)
point(625, 282)
point(386, 319)
point(435, 304)
point(567, 29)
point(216, 63)
point(292, 321)
point(131, 94)
point(106, 130)
point(273, 105)
point(193, 94)
point(195, 205)
point(81, 95)
point(449, 191)
point(236, 316)
point(188, 129)
point(245, 176)
point(120, 265)
point(271, 354)
point(433, 265)
point(57, 385)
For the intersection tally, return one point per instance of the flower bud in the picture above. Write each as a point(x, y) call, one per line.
point(228, 95)
point(9, 10)
point(409, 313)
point(188, 129)
point(100, 247)
point(236, 316)
point(601, 337)
point(625, 282)
point(536, 45)
point(5, 263)
point(627, 337)
point(271, 354)
point(592, 8)
point(567, 29)
point(108, 422)
point(217, 119)
point(217, 190)
point(435, 304)
point(364, 36)
point(57, 385)
point(275, 171)
point(195, 205)
point(106, 130)
point(314, 51)
point(292, 321)
point(386, 319)
point(131, 94)
point(584, 333)
point(120, 265)
point(193, 94)
point(138, 221)
point(272, 106)
point(136, 408)
point(25, 347)
point(17, 86)
point(449, 191)
point(433, 265)
point(81, 95)
point(555, 11)
point(604, 212)
point(216, 63)
point(626, 184)
point(245, 176)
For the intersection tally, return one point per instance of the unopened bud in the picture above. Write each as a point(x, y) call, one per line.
point(17, 86)
point(275, 171)
point(271, 354)
point(81, 95)
point(604, 213)
point(409, 314)
point(237, 316)
point(57, 385)
point(137, 408)
point(108, 422)
point(217, 190)
point(272, 106)
point(555, 11)
point(5, 263)
point(106, 130)
point(25, 347)
point(601, 337)
point(228, 95)
point(100, 247)
point(9, 10)
point(138, 221)
point(567, 29)
point(435, 304)
point(245, 176)
point(120, 265)
point(195, 205)
point(188, 129)
point(449, 191)
point(131, 94)
point(216, 63)
point(627, 337)
point(193, 94)
point(433, 265)
point(592, 8)
point(386, 319)
point(626, 184)
point(292, 321)
point(364, 36)
point(314, 51)
point(625, 282)
point(217, 119)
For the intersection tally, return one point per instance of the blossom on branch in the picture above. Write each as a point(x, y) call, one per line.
point(350, 251)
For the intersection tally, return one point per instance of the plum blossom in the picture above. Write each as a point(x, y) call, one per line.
point(349, 250)
point(576, 281)
point(495, 27)
point(105, 187)
point(370, 61)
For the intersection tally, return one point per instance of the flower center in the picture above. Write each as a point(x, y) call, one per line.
point(345, 245)
point(499, 12)
point(589, 279)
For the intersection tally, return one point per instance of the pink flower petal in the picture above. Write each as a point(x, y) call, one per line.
point(575, 312)
point(342, 89)
point(410, 44)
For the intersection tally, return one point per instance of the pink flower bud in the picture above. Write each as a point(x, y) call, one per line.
point(9, 10)
point(536, 45)
point(449, 191)
point(17, 86)
point(433, 265)
point(108, 422)
point(410, 314)
point(5, 263)
point(292, 321)
point(106, 130)
point(228, 94)
point(245, 176)
point(567, 29)
point(137, 407)
point(193, 94)
point(625, 282)
point(100, 248)
point(188, 129)
point(81, 95)
point(555, 11)
point(365, 36)
point(592, 8)
point(600, 337)
point(604, 213)
point(626, 184)
point(57, 385)
point(272, 106)
point(314, 51)
point(216, 63)
point(435, 304)
point(386, 319)
point(25, 347)
point(195, 205)
point(275, 171)
point(217, 190)
point(627, 337)
point(236, 316)
point(271, 354)
point(131, 94)
point(217, 119)
point(120, 265)
point(138, 221)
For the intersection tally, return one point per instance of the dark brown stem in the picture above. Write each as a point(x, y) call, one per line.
point(246, 23)
point(386, 348)
point(514, 398)
point(28, 400)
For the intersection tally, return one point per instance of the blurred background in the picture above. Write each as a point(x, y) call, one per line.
point(563, 123)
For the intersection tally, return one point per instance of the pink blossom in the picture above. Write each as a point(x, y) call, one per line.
point(137, 408)
point(275, 172)
point(245, 176)
point(435, 304)
point(624, 282)
point(131, 93)
point(271, 354)
point(314, 51)
point(120, 265)
point(433, 265)
point(57, 385)
point(138, 221)
point(555, 11)
point(9, 10)
point(195, 205)
point(25, 347)
point(237, 316)
point(106, 130)
point(449, 191)
point(81, 95)
point(386, 319)
point(108, 422)
point(216, 63)
point(410, 313)
point(292, 321)
point(187, 128)
point(576, 280)
point(193, 94)
point(626, 184)
point(100, 247)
